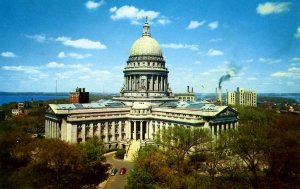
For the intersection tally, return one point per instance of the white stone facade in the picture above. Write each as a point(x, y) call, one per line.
point(145, 106)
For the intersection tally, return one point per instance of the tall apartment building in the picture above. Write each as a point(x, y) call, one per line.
point(242, 97)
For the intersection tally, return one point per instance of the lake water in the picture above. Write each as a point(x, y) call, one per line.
point(21, 97)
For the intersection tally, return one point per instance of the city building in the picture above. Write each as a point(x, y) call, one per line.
point(145, 105)
point(242, 97)
point(188, 96)
point(22, 108)
point(79, 96)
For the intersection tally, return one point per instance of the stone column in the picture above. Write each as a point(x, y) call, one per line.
point(131, 88)
point(134, 80)
point(120, 130)
point(83, 132)
point(166, 88)
point(106, 131)
point(56, 130)
point(159, 83)
point(147, 131)
point(51, 130)
point(134, 130)
point(128, 129)
point(113, 134)
point(127, 81)
point(141, 130)
point(46, 129)
point(156, 83)
point(151, 83)
point(99, 130)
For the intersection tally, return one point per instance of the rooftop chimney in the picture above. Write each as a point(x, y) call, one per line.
point(188, 89)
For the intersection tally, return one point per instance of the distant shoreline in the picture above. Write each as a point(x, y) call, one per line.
point(7, 97)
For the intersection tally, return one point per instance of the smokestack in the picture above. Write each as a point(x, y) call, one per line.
point(192, 90)
point(188, 89)
point(220, 94)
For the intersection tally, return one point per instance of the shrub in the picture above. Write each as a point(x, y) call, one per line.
point(120, 153)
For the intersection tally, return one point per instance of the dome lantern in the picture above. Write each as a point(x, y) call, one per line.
point(146, 28)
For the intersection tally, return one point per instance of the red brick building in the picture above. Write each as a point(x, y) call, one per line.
point(79, 96)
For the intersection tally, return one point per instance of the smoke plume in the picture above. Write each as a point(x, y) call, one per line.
point(232, 71)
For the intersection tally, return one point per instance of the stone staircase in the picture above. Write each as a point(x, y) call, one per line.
point(132, 150)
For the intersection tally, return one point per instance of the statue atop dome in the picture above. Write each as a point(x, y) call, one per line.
point(146, 29)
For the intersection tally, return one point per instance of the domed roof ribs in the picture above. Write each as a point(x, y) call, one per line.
point(146, 28)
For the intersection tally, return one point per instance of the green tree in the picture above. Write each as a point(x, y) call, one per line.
point(93, 150)
point(179, 142)
point(250, 141)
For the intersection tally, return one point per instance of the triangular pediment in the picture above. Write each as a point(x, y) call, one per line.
point(228, 112)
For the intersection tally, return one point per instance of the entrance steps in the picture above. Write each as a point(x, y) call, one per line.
point(132, 150)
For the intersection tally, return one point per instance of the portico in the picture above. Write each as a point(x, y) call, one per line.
point(139, 130)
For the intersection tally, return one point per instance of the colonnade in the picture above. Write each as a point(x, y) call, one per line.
point(140, 130)
point(216, 128)
point(149, 82)
point(107, 131)
point(52, 129)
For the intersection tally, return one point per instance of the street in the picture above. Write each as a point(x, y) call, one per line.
point(118, 181)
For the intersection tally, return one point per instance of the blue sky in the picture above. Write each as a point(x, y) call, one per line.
point(86, 43)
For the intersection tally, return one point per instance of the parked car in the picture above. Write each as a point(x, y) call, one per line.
point(114, 171)
point(122, 171)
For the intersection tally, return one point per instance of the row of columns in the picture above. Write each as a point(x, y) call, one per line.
point(109, 132)
point(216, 128)
point(52, 129)
point(151, 83)
point(140, 130)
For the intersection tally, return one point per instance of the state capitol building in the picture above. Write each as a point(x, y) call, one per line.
point(145, 105)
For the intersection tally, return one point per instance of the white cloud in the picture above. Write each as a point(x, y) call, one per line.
point(214, 52)
point(132, 13)
point(295, 59)
point(61, 55)
point(73, 55)
point(195, 24)
point(269, 60)
point(95, 74)
point(217, 70)
point(213, 25)
point(293, 72)
point(297, 34)
point(272, 8)
point(81, 43)
point(120, 67)
point(93, 4)
point(197, 62)
point(249, 60)
point(251, 78)
point(163, 20)
point(180, 46)
point(37, 37)
point(26, 69)
point(216, 40)
point(55, 65)
point(8, 54)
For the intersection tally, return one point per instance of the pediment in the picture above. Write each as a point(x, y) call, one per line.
point(228, 112)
